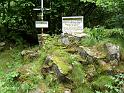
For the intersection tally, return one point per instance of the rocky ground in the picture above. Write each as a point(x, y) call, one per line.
point(64, 65)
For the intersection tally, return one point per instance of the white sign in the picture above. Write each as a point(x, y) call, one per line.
point(72, 25)
point(41, 24)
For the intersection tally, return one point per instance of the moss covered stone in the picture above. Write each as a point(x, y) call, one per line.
point(63, 66)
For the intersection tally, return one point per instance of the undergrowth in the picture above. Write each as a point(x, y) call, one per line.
point(16, 76)
point(97, 35)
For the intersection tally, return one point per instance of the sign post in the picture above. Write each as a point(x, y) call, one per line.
point(41, 24)
point(42, 14)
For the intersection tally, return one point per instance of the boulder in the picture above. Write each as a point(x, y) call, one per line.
point(68, 39)
point(62, 65)
point(28, 54)
point(91, 51)
point(90, 54)
point(104, 67)
point(48, 59)
point(64, 39)
point(71, 50)
point(58, 65)
point(113, 51)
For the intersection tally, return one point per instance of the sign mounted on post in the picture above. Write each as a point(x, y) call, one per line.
point(41, 24)
point(72, 25)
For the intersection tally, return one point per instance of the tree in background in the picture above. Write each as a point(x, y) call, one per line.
point(17, 17)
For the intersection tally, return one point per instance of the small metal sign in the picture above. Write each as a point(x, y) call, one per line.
point(41, 9)
point(41, 24)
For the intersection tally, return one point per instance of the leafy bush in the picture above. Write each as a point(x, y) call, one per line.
point(118, 86)
point(96, 35)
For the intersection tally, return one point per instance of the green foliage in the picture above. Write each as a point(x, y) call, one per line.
point(83, 89)
point(78, 75)
point(97, 35)
point(17, 16)
point(102, 81)
point(14, 18)
point(22, 78)
point(99, 85)
point(10, 60)
point(118, 86)
point(52, 84)
point(7, 85)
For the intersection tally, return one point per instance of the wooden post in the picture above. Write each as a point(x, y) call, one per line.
point(40, 36)
point(42, 14)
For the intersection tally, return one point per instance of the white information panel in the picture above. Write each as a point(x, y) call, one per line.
point(72, 25)
point(41, 24)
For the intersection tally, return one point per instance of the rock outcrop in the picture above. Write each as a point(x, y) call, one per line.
point(113, 51)
point(29, 55)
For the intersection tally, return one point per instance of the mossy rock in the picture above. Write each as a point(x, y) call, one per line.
point(78, 58)
point(93, 52)
point(103, 66)
point(71, 50)
point(90, 72)
point(63, 65)
point(101, 82)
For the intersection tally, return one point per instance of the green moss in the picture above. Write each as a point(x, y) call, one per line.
point(63, 66)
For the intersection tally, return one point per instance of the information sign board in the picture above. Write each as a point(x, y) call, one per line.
point(72, 25)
